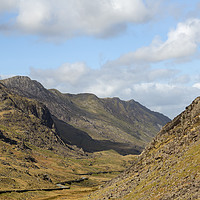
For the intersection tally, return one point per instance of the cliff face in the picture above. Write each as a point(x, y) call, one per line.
point(169, 166)
point(30, 118)
point(29, 107)
point(93, 123)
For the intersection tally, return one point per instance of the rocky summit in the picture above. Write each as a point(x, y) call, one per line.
point(92, 123)
point(169, 167)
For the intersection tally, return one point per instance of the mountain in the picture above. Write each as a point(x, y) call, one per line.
point(93, 123)
point(35, 163)
point(26, 133)
point(30, 119)
point(169, 166)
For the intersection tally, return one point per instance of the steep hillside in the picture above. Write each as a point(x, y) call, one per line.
point(92, 123)
point(30, 120)
point(26, 129)
point(169, 167)
point(33, 157)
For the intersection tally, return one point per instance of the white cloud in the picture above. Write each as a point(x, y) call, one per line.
point(67, 73)
point(69, 18)
point(196, 85)
point(181, 43)
point(165, 98)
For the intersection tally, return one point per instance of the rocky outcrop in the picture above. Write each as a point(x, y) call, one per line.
point(35, 108)
point(169, 166)
point(31, 119)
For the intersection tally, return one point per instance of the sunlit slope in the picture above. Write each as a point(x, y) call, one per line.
point(169, 168)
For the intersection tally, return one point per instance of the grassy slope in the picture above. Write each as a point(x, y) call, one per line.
point(113, 119)
point(168, 168)
point(94, 119)
point(17, 172)
point(123, 121)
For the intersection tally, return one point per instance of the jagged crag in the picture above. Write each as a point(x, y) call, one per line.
point(91, 123)
point(30, 119)
point(169, 167)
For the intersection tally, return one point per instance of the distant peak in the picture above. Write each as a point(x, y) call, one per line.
point(18, 78)
point(24, 84)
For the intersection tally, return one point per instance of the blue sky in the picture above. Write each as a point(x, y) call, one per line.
point(133, 49)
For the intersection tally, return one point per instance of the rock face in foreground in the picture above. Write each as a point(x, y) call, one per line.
point(93, 123)
point(169, 167)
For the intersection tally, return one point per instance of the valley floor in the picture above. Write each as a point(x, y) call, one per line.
point(82, 176)
point(75, 192)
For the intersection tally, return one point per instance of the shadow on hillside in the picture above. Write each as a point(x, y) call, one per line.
point(81, 139)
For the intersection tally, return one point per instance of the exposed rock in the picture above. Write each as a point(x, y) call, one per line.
point(45, 177)
point(30, 118)
point(30, 159)
point(6, 139)
point(169, 166)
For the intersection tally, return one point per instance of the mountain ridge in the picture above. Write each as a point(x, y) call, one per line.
point(104, 122)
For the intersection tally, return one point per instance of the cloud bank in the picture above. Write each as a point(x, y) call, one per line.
point(70, 18)
point(181, 44)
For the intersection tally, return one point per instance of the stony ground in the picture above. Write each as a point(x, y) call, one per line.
point(169, 168)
